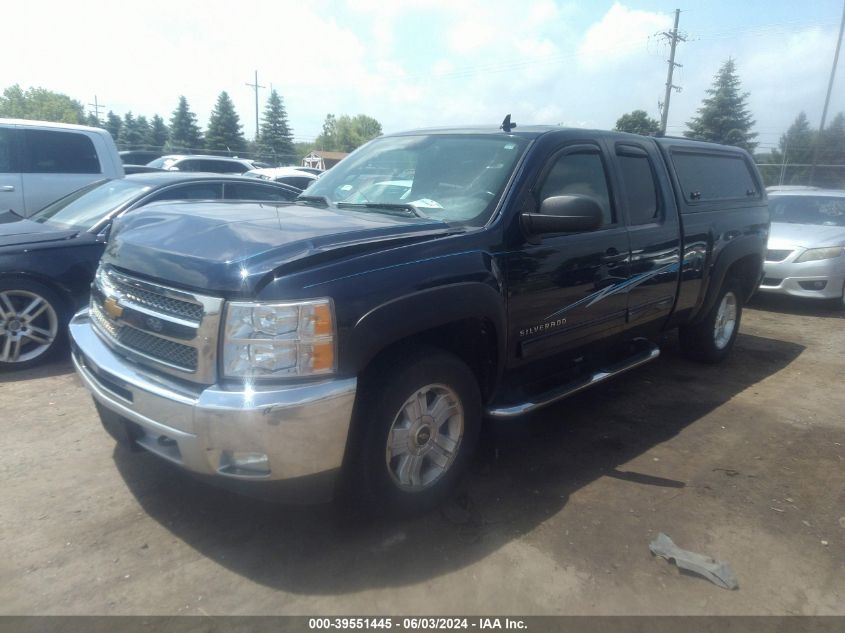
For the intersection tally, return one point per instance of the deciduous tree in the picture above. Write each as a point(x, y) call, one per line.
point(638, 122)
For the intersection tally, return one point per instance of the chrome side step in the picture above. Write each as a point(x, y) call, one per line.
point(542, 400)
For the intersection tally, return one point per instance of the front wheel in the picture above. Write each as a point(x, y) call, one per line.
point(31, 323)
point(711, 339)
point(418, 422)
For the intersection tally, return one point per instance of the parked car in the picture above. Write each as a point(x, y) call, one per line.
point(41, 162)
point(806, 250)
point(287, 175)
point(361, 343)
point(47, 262)
point(138, 156)
point(200, 163)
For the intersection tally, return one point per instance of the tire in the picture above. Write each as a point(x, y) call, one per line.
point(404, 463)
point(711, 339)
point(33, 323)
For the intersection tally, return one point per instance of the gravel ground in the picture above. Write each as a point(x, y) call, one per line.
point(744, 461)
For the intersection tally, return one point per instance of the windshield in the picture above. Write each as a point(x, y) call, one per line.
point(456, 178)
point(83, 208)
point(821, 210)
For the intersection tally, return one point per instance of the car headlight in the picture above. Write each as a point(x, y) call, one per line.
point(269, 340)
point(815, 254)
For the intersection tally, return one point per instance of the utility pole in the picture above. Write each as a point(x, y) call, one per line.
point(96, 105)
point(673, 38)
point(255, 87)
point(827, 98)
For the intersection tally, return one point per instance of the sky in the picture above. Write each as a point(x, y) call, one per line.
point(425, 63)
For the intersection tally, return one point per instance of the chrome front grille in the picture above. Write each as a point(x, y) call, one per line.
point(172, 330)
point(154, 301)
point(776, 255)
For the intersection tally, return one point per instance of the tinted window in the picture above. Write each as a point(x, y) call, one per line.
point(193, 191)
point(51, 152)
point(185, 165)
point(248, 191)
point(714, 176)
point(300, 182)
point(8, 151)
point(220, 166)
point(580, 174)
point(640, 188)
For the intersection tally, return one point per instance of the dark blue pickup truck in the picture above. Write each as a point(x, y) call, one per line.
point(430, 280)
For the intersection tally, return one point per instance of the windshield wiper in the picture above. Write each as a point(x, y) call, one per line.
point(318, 199)
point(388, 206)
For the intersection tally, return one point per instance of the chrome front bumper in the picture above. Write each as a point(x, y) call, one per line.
point(302, 429)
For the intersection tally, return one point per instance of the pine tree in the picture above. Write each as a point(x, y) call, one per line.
point(158, 133)
point(92, 120)
point(113, 125)
point(638, 122)
point(130, 136)
point(185, 134)
point(224, 127)
point(832, 152)
point(275, 139)
point(723, 116)
point(143, 127)
point(794, 148)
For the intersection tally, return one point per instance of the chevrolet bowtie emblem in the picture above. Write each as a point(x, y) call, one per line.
point(111, 306)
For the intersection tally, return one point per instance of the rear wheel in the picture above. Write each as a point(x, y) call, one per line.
point(417, 423)
point(712, 338)
point(32, 323)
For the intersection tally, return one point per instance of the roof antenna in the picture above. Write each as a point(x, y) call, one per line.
point(506, 125)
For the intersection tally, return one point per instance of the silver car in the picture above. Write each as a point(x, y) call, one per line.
point(805, 256)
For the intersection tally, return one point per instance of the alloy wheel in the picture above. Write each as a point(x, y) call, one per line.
point(28, 326)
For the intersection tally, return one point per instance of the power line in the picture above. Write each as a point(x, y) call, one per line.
point(827, 97)
point(97, 105)
point(255, 86)
point(674, 37)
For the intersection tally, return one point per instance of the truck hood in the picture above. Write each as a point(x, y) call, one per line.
point(232, 247)
point(15, 231)
point(789, 236)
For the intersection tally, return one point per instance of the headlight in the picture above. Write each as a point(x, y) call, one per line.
point(267, 340)
point(815, 254)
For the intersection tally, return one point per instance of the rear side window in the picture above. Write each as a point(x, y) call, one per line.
point(640, 188)
point(708, 177)
point(8, 151)
point(248, 191)
point(54, 152)
point(580, 174)
point(300, 182)
point(221, 166)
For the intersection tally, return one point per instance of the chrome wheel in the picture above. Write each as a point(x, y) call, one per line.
point(725, 321)
point(28, 326)
point(425, 437)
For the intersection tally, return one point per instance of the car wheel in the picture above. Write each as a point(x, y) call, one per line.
point(711, 339)
point(418, 420)
point(32, 324)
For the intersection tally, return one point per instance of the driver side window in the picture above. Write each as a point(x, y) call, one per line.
point(580, 174)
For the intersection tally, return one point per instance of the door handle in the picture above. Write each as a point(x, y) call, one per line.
point(7, 188)
point(612, 256)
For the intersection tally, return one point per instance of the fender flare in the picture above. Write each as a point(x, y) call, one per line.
point(727, 257)
point(412, 314)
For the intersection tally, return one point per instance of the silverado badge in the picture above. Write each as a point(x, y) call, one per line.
point(113, 308)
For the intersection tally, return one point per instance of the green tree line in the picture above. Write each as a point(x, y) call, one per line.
point(182, 133)
point(724, 118)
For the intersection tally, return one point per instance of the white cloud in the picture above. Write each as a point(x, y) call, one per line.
point(621, 33)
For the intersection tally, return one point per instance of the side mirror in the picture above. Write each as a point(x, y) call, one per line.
point(564, 214)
